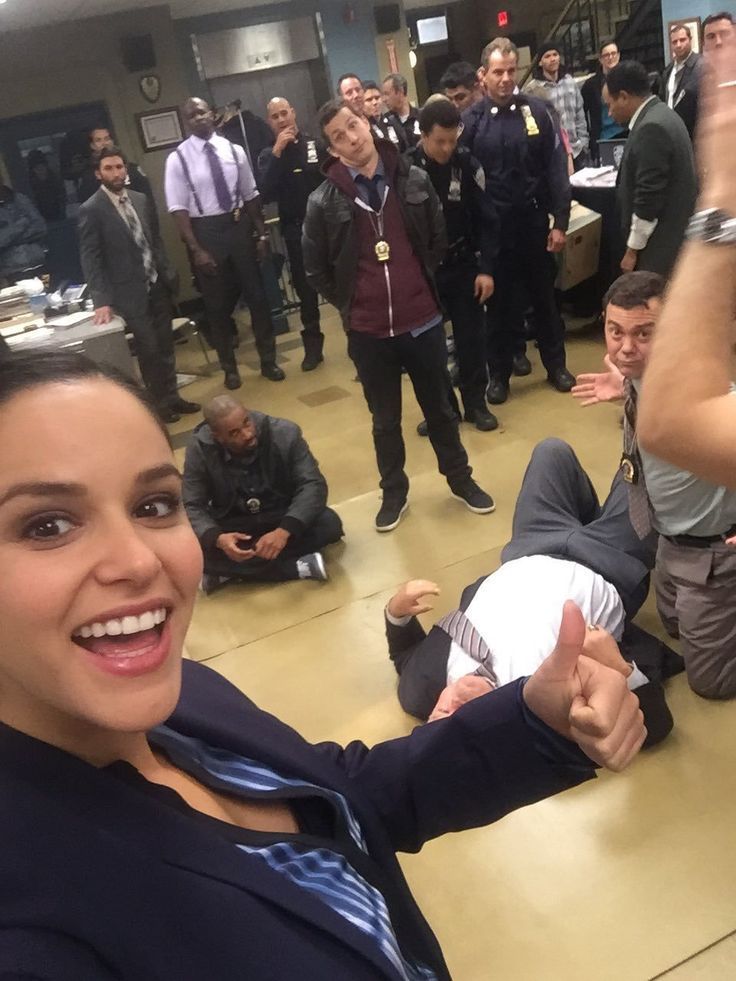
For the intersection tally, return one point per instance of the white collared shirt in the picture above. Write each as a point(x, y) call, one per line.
point(179, 196)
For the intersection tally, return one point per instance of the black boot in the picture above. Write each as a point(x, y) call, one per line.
point(313, 343)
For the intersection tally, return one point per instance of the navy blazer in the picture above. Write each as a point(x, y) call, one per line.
point(102, 881)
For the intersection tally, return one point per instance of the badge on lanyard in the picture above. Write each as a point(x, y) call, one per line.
point(253, 505)
point(455, 185)
point(629, 469)
point(383, 251)
point(531, 124)
point(311, 152)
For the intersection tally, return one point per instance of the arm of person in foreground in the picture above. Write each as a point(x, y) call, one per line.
point(490, 757)
point(685, 414)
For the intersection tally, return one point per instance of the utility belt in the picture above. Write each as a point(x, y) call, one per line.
point(698, 541)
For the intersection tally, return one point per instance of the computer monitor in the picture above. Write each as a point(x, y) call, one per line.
point(611, 152)
point(432, 29)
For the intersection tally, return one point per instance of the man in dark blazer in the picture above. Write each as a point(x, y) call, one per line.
point(656, 185)
point(604, 568)
point(681, 78)
point(128, 272)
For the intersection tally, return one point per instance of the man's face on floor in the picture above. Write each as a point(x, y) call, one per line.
point(629, 335)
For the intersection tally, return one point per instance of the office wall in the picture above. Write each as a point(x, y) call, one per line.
point(687, 10)
point(77, 62)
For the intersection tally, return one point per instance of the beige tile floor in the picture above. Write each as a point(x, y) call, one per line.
point(627, 877)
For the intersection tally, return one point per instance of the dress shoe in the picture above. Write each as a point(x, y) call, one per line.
point(168, 415)
point(232, 380)
point(483, 420)
point(497, 391)
point(561, 379)
point(184, 407)
point(272, 372)
point(522, 366)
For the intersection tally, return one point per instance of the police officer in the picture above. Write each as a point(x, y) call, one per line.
point(289, 172)
point(526, 177)
point(395, 90)
point(385, 125)
point(465, 277)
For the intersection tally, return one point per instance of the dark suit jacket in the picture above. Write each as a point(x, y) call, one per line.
point(685, 102)
point(101, 880)
point(112, 262)
point(421, 661)
point(657, 180)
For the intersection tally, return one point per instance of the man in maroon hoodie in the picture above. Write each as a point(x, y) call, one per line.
point(372, 238)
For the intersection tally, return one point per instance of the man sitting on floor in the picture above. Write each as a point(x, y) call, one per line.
point(564, 546)
point(256, 498)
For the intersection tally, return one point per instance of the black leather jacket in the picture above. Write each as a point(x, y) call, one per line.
point(329, 233)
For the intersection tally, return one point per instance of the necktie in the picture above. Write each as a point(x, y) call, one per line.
point(639, 511)
point(371, 185)
point(457, 626)
point(139, 237)
point(224, 197)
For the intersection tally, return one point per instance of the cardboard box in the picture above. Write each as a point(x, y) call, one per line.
point(581, 256)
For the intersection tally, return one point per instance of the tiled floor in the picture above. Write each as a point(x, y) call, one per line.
point(624, 878)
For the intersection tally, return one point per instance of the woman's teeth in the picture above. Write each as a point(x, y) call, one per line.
point(125, 625)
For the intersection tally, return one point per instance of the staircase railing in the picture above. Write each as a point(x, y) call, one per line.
point(577, 31)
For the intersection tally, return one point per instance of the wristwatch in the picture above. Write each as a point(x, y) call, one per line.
point(712, 226)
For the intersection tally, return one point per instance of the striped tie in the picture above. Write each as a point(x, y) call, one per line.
point(639, 509)
point(457, 626)
point(139, 237)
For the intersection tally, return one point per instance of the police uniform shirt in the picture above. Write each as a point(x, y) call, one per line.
point(291, 178)
point(522, 155)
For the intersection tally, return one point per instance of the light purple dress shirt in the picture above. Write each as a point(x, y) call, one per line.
point(179, 195)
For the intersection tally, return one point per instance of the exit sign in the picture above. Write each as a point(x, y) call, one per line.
point(503, 18)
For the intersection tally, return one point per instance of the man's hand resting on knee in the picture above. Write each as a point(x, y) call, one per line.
point(228, 543)
point(584, 700)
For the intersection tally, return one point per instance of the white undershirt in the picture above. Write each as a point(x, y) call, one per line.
point(517, 610)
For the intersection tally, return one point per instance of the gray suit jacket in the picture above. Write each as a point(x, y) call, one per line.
point(111, 260)
point(685, 101)
point(657, 180)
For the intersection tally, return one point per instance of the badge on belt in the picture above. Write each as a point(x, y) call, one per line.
point(455, 191)
point(312, 152)
point(531, 124)
point(253, 505)
point(629, 469)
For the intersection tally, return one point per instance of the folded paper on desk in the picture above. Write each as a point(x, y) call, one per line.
point(30, 335)
point(71, 319)
point(594, 177)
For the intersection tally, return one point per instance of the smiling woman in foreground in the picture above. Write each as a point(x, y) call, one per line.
point(155, 823)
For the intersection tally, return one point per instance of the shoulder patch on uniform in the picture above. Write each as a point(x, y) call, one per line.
point(480, 178)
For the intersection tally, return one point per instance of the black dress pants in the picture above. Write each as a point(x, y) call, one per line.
point(524, 267)
point(456, 285)
point(154, 345)
point(233, 249)
point(379, 361)
point(308, 298)
point(325, 530)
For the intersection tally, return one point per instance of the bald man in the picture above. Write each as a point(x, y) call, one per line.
point(212, 194)
point(256, 498)
point(289, 172)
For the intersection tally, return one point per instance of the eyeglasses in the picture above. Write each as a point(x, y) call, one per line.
point(610, 54)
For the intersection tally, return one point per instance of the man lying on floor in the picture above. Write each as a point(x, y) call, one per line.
point(564, 546)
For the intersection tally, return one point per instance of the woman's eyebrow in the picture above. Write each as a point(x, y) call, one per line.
point(56, 488)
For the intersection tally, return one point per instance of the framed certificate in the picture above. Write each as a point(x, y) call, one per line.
point(160, 129)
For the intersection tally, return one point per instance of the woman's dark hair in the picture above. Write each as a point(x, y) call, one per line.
point(21, 372)
point(635, 289)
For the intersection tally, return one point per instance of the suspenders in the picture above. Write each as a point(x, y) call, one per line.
point(238, 191)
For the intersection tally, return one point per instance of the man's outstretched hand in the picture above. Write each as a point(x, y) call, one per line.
point(411, 599)
point(586, 701)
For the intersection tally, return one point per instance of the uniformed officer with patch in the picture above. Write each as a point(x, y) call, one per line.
point(465, 277)
point(288, 173)
point(513, 137)
point(385, 125)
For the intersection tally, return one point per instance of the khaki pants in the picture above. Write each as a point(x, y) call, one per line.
point(696, 599)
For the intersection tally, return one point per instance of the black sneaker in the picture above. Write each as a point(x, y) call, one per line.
point(484, 420)
point(561, 379)
point(184, 407)
point(272, 372)
point(312, 566)
point(390, 514)
point(475, 499)
point(522, 366)
point(497, 391)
